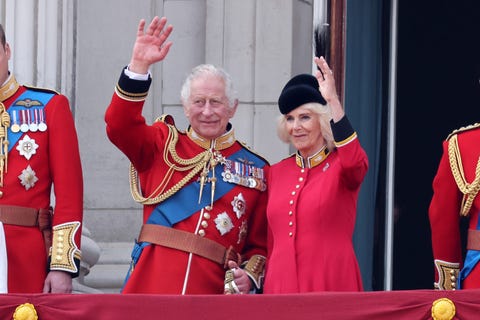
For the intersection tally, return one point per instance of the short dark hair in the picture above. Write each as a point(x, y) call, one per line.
point(3, 39)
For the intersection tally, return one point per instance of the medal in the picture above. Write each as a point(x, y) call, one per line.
point(42, 126)
point(27, 147)
point(33, 124)
point(24, 125)
point(15, 127)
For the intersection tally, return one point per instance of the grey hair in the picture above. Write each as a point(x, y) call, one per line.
point(209, 69)
point(324, 113)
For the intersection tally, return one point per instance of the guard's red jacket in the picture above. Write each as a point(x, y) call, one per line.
point(43, 158)
point(455, 189)
point(237, 217)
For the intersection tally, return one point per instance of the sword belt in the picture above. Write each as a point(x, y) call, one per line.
point(188, 242)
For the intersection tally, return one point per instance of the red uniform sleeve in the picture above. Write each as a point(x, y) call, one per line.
point(444, 214)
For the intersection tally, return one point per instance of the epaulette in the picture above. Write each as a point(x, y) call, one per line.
point(169, 121)
point(463, 129)
point(47, 90)
point(244, 144)
point(166, 118)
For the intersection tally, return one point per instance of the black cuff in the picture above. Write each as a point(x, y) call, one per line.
point(133, 89)
point(342, 129)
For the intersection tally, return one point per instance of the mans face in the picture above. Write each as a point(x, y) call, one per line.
point(4, 57)
point(207, 108)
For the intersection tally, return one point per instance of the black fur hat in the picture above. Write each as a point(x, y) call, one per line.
point(301, 89)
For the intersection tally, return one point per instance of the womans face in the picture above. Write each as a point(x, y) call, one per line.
point(303, 127)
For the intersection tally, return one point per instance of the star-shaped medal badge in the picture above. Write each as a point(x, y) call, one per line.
point(239, 205)
point(223, 223)
point(27, 147)
point(28, 178)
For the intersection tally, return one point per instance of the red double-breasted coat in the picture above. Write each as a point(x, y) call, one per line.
point(40, 161)
point(311, 215)
point(236, 218)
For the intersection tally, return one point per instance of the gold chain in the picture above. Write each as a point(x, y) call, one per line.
point(469, 190)
point(195, 165)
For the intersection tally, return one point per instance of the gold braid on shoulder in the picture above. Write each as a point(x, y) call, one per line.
point(194, 165)
point(469, 190)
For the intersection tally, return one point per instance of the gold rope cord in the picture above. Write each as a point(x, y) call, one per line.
point(469, 190)
point(194, 164)
point(4, 125)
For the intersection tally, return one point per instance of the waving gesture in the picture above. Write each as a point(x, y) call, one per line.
point(326, 85)
point(150, 45)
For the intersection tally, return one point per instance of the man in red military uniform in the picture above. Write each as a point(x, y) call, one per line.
point(203, 191)
point(456, 187)
point(39, 252)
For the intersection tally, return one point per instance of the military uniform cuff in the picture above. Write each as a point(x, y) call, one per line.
point(254, 268)
point(447, 275)
point(64, 251)
point(132, 89)
point(343, 132)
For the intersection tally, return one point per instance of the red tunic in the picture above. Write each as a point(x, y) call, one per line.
point(445, 207)
point(168, 271)
point(56, 162)
point(311, 214)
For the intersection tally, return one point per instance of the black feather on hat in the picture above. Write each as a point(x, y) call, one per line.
point(301, 89)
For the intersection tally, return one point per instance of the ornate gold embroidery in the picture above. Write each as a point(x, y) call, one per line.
point(447, 275)
point(254, 267)
point(64, 249)
point(469, 190)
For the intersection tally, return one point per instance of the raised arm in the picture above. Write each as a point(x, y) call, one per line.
point(326, 85)
point(150, 45)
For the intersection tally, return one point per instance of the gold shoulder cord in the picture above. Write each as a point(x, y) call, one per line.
point(194, 165)
point(469, 190)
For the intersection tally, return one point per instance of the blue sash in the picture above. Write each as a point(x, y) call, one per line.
point(39, 99)
point(184, 203)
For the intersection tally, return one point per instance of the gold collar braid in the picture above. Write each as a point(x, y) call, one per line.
point(9, 88)
point(312, 161)
point(224, 141)
point(469, 190)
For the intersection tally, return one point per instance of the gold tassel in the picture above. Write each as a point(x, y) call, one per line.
point(4, 125)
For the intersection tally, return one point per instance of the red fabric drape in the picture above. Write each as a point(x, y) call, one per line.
point(399, 305)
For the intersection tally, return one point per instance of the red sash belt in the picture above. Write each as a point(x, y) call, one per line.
point(188, 242)
point(473, 242)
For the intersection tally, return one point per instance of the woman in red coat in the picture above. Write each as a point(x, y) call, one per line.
point(313, 193)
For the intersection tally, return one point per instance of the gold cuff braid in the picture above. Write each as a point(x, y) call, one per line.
point(64, 249)
point(447, 275)
point(254, 267)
